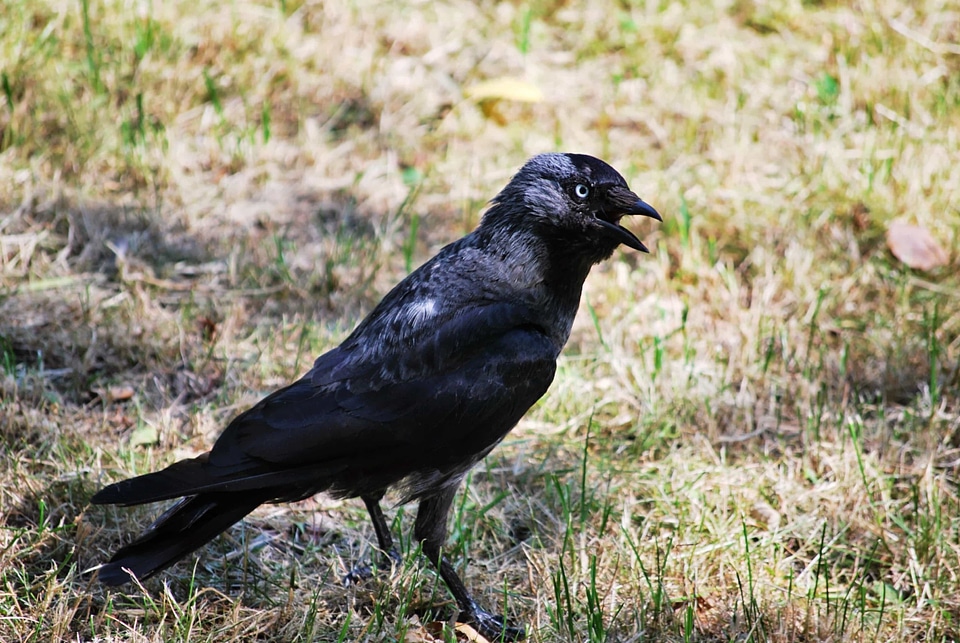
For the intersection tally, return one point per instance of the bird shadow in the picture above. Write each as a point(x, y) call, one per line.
point(140, 297)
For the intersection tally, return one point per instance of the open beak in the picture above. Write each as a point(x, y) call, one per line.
point(623, 202)
point(644, 209)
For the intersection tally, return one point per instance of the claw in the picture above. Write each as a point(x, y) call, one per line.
point(357, 575)
point(493, 627)
point(391, 560)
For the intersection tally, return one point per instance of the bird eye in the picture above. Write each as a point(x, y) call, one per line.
point(581, 191)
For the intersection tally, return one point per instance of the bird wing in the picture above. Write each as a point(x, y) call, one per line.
point(483, 361)
point(356, 425)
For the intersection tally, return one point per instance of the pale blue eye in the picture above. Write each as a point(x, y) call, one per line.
point(581, 191)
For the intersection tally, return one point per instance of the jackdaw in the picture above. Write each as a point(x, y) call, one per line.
point(425, 387)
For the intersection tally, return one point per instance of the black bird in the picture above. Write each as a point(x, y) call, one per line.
point(421, 391)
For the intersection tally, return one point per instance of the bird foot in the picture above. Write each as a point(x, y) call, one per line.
point(494, 628)
point(358, 575)
point(391, 560)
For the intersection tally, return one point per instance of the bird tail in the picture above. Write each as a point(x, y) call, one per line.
point(186, 526)
point(180, 479)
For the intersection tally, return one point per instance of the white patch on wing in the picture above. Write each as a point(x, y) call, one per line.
point(420, 311)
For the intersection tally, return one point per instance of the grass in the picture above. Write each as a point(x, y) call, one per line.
point(754, 433)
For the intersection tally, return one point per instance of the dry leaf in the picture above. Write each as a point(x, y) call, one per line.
point(144, 435)
point(114, 393)
point(915, 246)
point(766, 515)
point(420, 633)
point(505, 88)
point(470, 634)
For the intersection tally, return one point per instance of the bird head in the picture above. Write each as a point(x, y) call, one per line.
point(573, 200)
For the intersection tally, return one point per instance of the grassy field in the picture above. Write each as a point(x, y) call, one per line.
point(754, 434)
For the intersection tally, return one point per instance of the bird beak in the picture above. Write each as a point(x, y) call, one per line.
point(644, 209)
point(626, 202)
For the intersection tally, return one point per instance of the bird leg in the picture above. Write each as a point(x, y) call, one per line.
point(431, 531)
point(384, 541)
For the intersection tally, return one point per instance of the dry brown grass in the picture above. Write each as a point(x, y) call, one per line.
point(758, 438)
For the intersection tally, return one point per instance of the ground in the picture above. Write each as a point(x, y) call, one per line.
point(754, 434)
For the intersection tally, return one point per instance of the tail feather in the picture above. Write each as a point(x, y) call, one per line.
point(178, 480)
point(185, 527)
point(195, 478)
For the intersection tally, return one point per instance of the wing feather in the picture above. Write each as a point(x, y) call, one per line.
point(351, 424)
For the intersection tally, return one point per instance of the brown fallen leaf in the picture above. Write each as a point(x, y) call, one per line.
point(470, 634)
point(915, 246)
point(766, 515)
point(464, 633)
point(113, 394)
point(422, 633)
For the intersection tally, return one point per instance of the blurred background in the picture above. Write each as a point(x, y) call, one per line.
point(754, 433)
